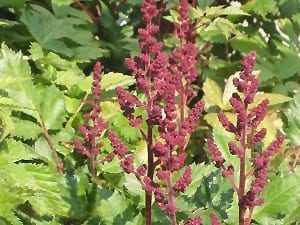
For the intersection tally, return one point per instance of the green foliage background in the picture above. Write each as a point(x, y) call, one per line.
point(47, 52)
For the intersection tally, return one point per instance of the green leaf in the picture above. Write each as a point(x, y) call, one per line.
point(108, 82)
point(5, 101)
point(222, 138)
point(229, 90)
point(134, 188)
point(288, 66)
point(12, 3)
point(292, 127)
point(212, 93)
point(212, 119)
point(24, 93)
point(274, 99)
point(198, 172)
point(116, 202)
point(216, 11)
point(43, 150)
point(71, 104)
point(16, 150)
point(51, 31)
point(7, 81)
point(282, 197)
point(112, 80)
point(53, 110)
point(68, 78)
point(47, 187)
point(111, 167)
point(6, 124)
point(245, 44)
point(233, 211)
point(141, 153)
point(204, 3)
point(25, 129)
point(261, 7)
point(61, 2)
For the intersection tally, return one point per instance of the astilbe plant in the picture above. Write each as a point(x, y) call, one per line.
point(247, 136)
point(94, 125)
point(163, 79)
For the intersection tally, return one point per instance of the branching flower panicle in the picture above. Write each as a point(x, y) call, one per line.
point(164, 80)
point(94, 125)
point(246, 135)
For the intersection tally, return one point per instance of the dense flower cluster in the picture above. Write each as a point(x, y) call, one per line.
point(261, 162)
point(94, 124)
point(164, 80)
point(214, 219)
point(193, 221)
point(183, 59)
point(246, 135)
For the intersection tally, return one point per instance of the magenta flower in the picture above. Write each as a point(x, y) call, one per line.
point(94, 125)
point(165, 81)
point(246, 135)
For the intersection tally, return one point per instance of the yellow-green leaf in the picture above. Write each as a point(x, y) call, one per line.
point(274, 99)
point(212, 93)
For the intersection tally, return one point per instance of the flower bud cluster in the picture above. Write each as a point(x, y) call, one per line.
point(183, 59)
point(246, 135)
point(261, 163)
point(160, 77)
point(214, 219)
point(193, 221)
point(94, 125)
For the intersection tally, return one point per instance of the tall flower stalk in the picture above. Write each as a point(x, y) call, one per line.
point(246, 136)
point(94, 125)
point(164, 80)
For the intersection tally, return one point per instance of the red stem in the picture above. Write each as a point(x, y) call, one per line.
point(243, 177)
point(171, 200)
point(150, 172)
point(149, 140)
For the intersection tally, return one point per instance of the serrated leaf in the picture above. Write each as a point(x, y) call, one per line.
point(16, 151)
point(112, 80)
point(116, 202)
point(261, 7)
point(7, 81)
point(274, 99)
point(108, 82)
point(134, 188)
point(5, 101)
point(71, 104)
point(282, 197)
point(198, 172)
point(43, 150)
point(212, 93)
point(111, 112)
point(53, 110)
point(25, 129)
point(111, 167)
point(47, 185)
point(13, 65)
point(51, 31)
point(6, 124)
point(216, 11)
point(68, 78)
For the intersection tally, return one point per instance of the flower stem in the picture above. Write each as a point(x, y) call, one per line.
point(242, 185)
